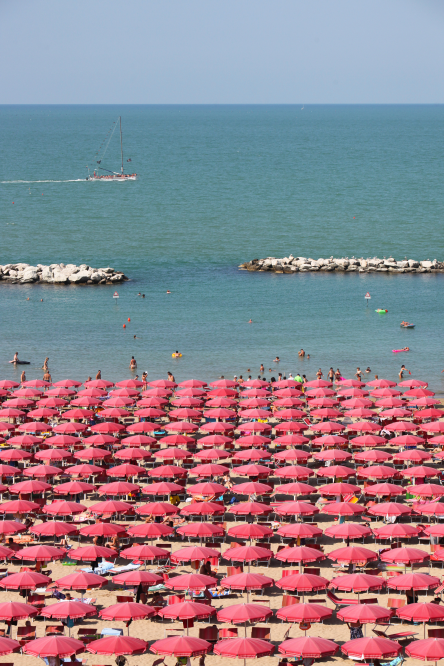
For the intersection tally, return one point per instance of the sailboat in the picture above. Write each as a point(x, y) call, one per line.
point(111, 175)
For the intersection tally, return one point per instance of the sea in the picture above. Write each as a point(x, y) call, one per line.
point(217, 186)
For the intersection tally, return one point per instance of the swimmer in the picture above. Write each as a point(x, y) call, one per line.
point(171, 377)
point(88, 379)
point(16, 358)
point(99, 375)
point(27, 298)
point(262, 369)
point(367, 370)
point(143, 295)
point(319, 374)
point(41, 300)
point(277, 360)
point(47, 377)
point(168, 291)
point(376, 377)
point(248, 370)
point(308, 356)
point(301, 353)
point(45, 364)
point(133, 363)
point(251, 321)
point(176, 354)
point(403, 369)
point(23, 377)
point(139, 294)
point(358, 373)
point(270, 370)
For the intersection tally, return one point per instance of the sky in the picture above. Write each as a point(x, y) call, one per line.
point(221, 52)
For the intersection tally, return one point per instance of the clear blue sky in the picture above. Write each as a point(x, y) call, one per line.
point(221, 51)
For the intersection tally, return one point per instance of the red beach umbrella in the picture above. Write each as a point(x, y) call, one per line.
point(132, 454)
point(337, 471)
point(296, 509)
point(91, 553)
point(84, 401)
point(22, 440)
point(308, 647)
point(52, 454)
point(401, 426)
point(250, 509)
point(187, 610)
point(18, 506)
point(373, 455)
point(333, 454)
point(430, 508)
point(181, 646)
point(368, 440)
point(413, 581)
point(25, 580)
point(201, 530)
point(207, 489)
point(63, 508)
point(358, 582)
point(190, 582)
point(84, 470)
point(80, 580)
point(36, 426)
point(300, 530)
point(61, 441)
point(213, 440)
point(150, 530)
point(15, 610)
point(304, 613)
point(111, 507)
point(292, 440)
point(404, 555)
point(377, 472)
point(339, 488)
point(42, 471)
point(128, 610)
point(420, 471)
point(294, 472)
point(407, 440)
point(364, 614)
point(193, 553)
point(77, 414)
point(53, 646)
point(126, 469)
point(296, 488)
point(327, 427)
point(102, 529)
point(167, 472)
point(67, 383)
point(53, 528)
point(107, 427)
point(371, 648)
point(210, 469)
point(245, 582)
point(381, 383)
point(244, 648)
point(390, 509)
point(429, 649)
point(137, 578)
point(145, 553)
point(162, 488)
point(300, 554)
point(348, 531)
point(353, 555)
point(251, 488)
point(70, 428)
point(250, 531)
point(302, 582)
point(254, 470)
point(364, 426)
point(134, 440)
point(253, 440)
point(202, 509)
point(118, 645)
point(383, 489)
point(425, 612)
point(11, 527)
point(400, 530)
point(68, 609)
point(428, 490)
point(248, 554)
point(173, 453)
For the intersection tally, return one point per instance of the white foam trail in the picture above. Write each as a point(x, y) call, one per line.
point(75, 180)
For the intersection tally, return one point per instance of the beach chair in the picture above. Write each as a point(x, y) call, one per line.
point(87, 634)
point(230, 632)
point(37, 600)
point(261, 632)
point(395, 603)
point(289, 600)
point(340, 603)
point(435, 633)
point(209, 634)
point(123, 599)
point(25, 634)
point(399, 636)
point(54, 629)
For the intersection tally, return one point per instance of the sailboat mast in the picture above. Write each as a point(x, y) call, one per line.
point(121, 146)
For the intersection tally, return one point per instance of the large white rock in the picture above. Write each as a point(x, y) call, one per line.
point(81, 276)
point(426, 264)
point(59, 277)
point(46, 274)
point(30, 275)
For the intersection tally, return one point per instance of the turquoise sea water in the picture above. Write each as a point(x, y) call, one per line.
point(217, 186)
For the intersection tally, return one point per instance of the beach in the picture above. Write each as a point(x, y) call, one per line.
point(172, 439)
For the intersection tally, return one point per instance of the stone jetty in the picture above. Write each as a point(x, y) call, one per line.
point(59, 274)
point(292, 264)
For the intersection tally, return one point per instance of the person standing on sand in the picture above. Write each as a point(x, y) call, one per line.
point(99, 375)
point(23, 377)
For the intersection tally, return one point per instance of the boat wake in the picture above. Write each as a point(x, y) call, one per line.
point(74, 180)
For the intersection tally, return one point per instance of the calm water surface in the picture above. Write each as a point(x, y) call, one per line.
point(217, 186)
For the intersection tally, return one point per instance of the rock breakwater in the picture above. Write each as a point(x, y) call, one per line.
point(59, 274)
point(293, 264)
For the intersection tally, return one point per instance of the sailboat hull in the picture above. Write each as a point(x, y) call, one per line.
point(115, 177)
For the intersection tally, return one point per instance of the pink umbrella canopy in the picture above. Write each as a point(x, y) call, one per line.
point(181, 646)
point(297, 508)
point(18, 506)
point(371, 648)
point(25, 580)
point(300, 554)
point(353, 555)
point(145, 553)
point(303, 582)
point(251, 488)
point(53, 646)
point(246, 582)
point(201, 530)
point(397, 530)
point(111, 507)
point(337, 471)
point(158, 509)
point(348, 531)
point(304, 613)
point(91, 553)
point(193, 553)
point(128, 610)
point(333, 454)
point(296, 488)
point(299, 530)
point(308, 647)
point(421, 612)
point(80, 580)
point(404, 555)
point(150, 530)
point(63, 508)
point(102, 529)
point(74, 488)
point(162, 488)
point(248, 554)
point(377, 472)
point(68, 609)
point(413, 581)
point(118, 645)
point(202, 509)
point(357, 582)
point(295, 472)
point(428, 490)
point(187, 610)
point(53, 528)
point(389, 509)
point(340, 488)
point(137, 578)
point(190, 582)
point(167, 472)
point(207, 489)
point(364, 614)
point(244, 648)
point(16, 610)
point(373, 455)
point(384, 489)
point(250, 531)
point(429, 649)
point(250, 509)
